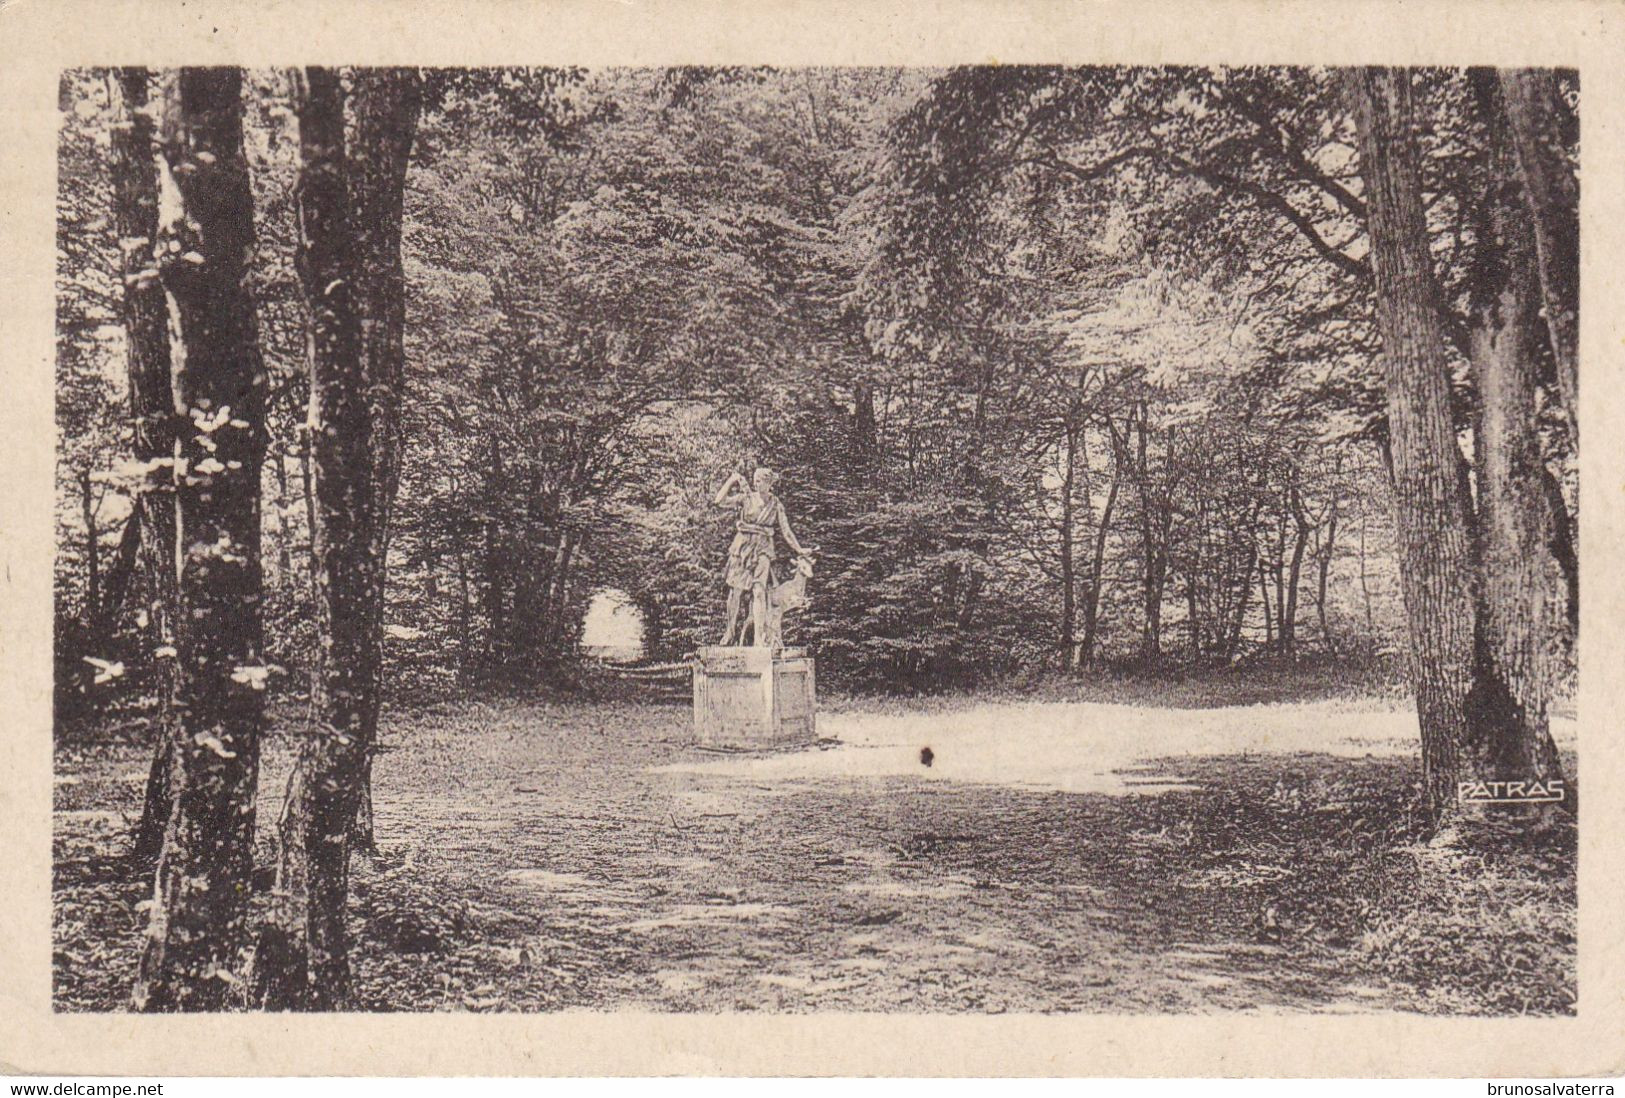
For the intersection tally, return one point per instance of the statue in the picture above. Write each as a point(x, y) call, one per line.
point(761, 696)
point(751, 556)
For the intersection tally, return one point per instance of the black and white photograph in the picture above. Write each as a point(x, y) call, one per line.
point(979, 539)
point(1001, 538)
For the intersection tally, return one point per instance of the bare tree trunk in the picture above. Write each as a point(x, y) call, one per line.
point(1520, 581)
point(1323, 566)
point(198, 923)
point(1432, 518)
point(1551, 194)
point(305, 951)
point(307, 488)
point(1069, 602)
point(1244, 594)
point(1264, 604)
point(93, 571)
point(1474, 724)
point(1365, 588)
point(303, 957)
point(1300, 545)
point(1091, 607)
point(1154, 549)
point(387, 105)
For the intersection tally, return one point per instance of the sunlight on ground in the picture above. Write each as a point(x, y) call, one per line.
point(1076, 747)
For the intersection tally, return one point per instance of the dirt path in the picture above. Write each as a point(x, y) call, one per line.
point(538, 856)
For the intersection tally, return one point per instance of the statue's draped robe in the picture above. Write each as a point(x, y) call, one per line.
point(750, 557)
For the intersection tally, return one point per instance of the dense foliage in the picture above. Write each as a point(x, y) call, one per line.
point(1035, 402)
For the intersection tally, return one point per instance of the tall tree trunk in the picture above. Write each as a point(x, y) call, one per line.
point(307, 489)
point(1097, 566)
point(93, 568)
point(145, 314)
point(303, 957)
point(1462, 701)
point(199, 915)
point(1324, 553)
point(1193, 628)
point(1244, 594)
point(349, 264)
point(1154, 550)
point(1431, 517)
point(1551, 195)
point(1069, 603)
point(1365, 588)
point(1520, 583)
point(387, 103)
point(284, 547)
point(1300, 545)
point(1264, 605)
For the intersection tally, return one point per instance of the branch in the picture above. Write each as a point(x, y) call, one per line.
point(1305, 168)
point(1220, 180)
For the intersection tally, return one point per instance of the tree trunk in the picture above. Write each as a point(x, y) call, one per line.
point(307, 488)
point(1323, 567)
point(1154, 550)
point(116, 577)
point(1551, 195)
point(145, 314)
point(1091, 606)
point(1300, 545)
point(387, 103)
point(1468, 725)
point(1365, 589)
point(1520, 583)
point(1069, 604)
point(1264, 605)
point(198, 922)
point(1244, 594)
point(305, 950)
point(93, 570)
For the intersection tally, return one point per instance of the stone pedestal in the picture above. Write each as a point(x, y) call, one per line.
point(754, 699)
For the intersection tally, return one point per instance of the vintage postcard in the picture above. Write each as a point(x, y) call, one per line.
point(1000, 538)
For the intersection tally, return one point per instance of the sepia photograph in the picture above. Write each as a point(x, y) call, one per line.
point(947, 540)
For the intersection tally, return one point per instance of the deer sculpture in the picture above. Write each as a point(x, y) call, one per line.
point(785, 597)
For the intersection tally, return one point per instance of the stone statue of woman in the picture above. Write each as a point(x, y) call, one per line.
point(750, 557)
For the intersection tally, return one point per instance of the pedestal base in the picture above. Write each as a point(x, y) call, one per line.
point(754, 699)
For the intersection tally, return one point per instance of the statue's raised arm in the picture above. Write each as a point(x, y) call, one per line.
point(726, 494)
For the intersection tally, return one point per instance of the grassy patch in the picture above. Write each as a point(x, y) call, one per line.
point(1328, 857)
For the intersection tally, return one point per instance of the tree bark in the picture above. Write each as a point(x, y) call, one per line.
point(1300, 545)
point(1551, 195)
point(1069, 602)
point(93, 570)
point(198, 923)
point(387, 103)
point(1325, 551)
point(1470, 726)
point(145, 315)
point(1154, 547)
point(1521, 584)
point(303, 957)
point(1097, 565)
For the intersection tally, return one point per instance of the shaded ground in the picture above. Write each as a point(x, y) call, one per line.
point(1056, 856)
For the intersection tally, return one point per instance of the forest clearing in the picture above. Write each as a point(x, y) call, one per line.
point(1058, 855)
